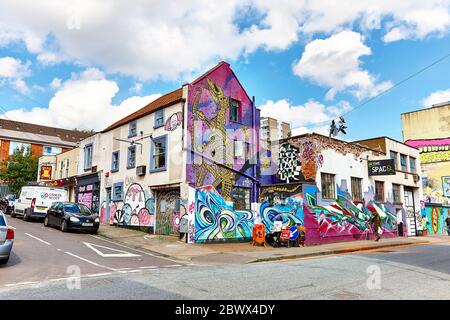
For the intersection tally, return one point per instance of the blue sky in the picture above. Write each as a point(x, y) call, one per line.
point(88, 65)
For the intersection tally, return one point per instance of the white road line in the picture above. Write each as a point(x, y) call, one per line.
point(19, 283)
point(149, 267)
point(99, 274)
point(47, 243)
point(172, 265)
point(118, 254)
point(129, 271)
point(88, 261)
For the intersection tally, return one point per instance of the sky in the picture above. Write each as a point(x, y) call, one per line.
point(85, 64)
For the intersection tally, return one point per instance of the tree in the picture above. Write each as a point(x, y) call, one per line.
point(20, 169)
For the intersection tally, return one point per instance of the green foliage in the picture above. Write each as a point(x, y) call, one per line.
point(20, 169)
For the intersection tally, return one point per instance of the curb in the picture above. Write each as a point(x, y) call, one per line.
point(337, 251)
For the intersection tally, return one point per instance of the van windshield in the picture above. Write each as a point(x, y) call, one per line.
point(77, 208)
point(11, 197)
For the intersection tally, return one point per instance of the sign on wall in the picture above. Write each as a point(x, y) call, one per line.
point(446, 186)
point(381, 167)
point(46, 173)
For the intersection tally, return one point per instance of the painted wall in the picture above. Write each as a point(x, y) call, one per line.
point(435, 217)
point(427, 123)
point(211, 134)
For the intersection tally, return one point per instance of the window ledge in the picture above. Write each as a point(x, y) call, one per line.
point(158, 170)
point(114, 170)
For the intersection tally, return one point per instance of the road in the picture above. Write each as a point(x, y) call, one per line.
point(413, 272)
point(46, 254)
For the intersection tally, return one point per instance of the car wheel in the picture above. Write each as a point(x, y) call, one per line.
point(64, 226)
point(4, 261)
point(46, 222)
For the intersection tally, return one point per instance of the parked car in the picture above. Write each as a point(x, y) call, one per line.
point(72, 216)
point(34, 201)
point(6, 239)
point(7, 203)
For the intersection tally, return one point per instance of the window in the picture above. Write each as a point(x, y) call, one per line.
point(87, 156)
point(379, 191)
point(115, 161)
point(159, 118)
point(61, 169)
point(131, 160)
point(396, 193)
point(234, 110)
point(328, 186)
point(14, 146)
point(356, 188)
point(132, 129)
point(412, 164)
point(117, 191)
point(403, 162)
point(67, 167)
point(241, 198)
point(50, 151)
point(158, 161)
point(394, 157)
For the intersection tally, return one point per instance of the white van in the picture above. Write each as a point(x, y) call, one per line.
point(34, 201)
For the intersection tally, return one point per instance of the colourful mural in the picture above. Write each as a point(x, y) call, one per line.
point(345, 217)
point(213, 132)
point(435, 216)
point(432, 150)
point(215, 218)
point(174, 121)
point(136, 209)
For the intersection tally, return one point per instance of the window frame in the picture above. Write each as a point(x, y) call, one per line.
point(395, 159)
point(413, 168)
point(332, 187)
point(113, 193)
point(152, 153)
point(131, 166)
point(156, 117)
point(405, 168)
point(394, 199)
point(113, 169)
point(238, 120)
point(130, 134)
point(378, 182)
point(87, 165)
point(359, 196)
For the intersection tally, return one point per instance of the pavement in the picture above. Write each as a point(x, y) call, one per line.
point(245, 252)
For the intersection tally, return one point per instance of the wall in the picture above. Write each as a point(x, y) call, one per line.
point(426, 124)
point(435, 215)
point(72, 156)
point(211, 134)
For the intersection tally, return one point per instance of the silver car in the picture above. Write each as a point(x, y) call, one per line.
point(6, 239)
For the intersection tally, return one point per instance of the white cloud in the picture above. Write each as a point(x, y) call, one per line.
point(13, 71)
point(137, 87)
point(335, 62)
point(84, 102)
point(56, 83)
point(437, 97)
point(169, 40)
point(309, 117)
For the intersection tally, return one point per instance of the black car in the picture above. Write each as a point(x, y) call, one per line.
point(7, 203)
point(72, 216)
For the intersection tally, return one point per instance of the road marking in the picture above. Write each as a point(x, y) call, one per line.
point(172, 265)
point(47, 243)
point(120, 254)
point(19, 283)
point(88, 261)
point(99, 274)
point(149, 267)
point(129, 271)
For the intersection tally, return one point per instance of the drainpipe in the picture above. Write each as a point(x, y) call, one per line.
point(255, 146)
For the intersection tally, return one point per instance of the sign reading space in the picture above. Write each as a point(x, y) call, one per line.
point(381, 167)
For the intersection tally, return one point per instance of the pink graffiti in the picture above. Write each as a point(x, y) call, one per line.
point(133, 192)
point(428, 142)
point(144, 217)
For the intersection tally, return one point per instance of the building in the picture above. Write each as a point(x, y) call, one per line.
point(274, 130)
point(324, 184)
point(186, 159)
point(404, 189)
point(429, 131)
point(40, 140)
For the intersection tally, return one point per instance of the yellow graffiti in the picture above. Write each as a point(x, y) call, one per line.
point(435, 156)
point(219, 144)
point(278, 189)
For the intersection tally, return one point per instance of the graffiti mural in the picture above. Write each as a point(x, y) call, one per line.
point(345, 217)
point(288, 166)
point(220, 116)
point(174, 121)
point(215, 218)
point(135, 210)
point(432, 150)
point(436, 216)
point(168, 211)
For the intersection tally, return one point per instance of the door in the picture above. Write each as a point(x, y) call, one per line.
point(59, 213)
point(410, 212)
point(167, 211)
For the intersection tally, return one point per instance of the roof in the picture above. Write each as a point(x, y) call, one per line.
point(384, 137)
point(162, 102)
point(437, 105)
point(62, 135)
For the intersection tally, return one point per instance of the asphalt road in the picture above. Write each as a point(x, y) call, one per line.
point(414, 272)
point(47, 254)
